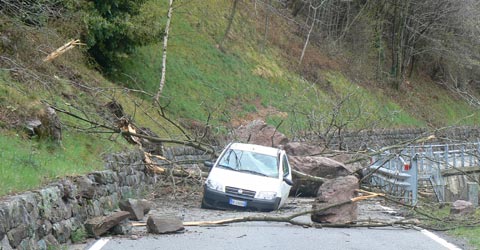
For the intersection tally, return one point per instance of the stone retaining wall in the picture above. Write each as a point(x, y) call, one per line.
point(54, 214)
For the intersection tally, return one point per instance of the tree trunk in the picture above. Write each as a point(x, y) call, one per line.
point(229, 26)
point(267, 21)
point(315, 9)
point(164, 57)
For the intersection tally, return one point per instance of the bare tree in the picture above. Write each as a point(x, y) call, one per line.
point(314, 20)
point(229, 25)
point(267, 22)
point(164, 57)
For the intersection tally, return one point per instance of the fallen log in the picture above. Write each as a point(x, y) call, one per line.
point(286, 219)
point(175, 170)
point(308, 177)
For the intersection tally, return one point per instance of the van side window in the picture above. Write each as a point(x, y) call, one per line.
point(286, 169)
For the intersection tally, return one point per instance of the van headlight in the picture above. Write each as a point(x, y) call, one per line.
point(266, 195)
point(215, 185)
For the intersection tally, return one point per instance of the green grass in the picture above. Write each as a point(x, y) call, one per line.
point(472, 234)
point(203, 80)
point(455, 225)
point(27, 163)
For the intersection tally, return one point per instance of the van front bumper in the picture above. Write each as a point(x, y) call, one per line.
point(217, 199)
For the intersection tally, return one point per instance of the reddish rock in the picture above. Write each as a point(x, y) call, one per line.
point(352, 167)
point(461, 207)
point(303, 149)
point(259, 132)
point(332, 192)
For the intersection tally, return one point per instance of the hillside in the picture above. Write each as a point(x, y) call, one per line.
point(210, 79)
point(236, 84)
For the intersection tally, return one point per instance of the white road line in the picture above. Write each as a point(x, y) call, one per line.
point(439, 240)
point(99, 244)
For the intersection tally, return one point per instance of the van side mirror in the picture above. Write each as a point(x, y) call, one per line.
point(208, 164)
point(288, 181)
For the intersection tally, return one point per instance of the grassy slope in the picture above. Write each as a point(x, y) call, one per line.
point(68, 82)
point(202, 79)
point(234, 86)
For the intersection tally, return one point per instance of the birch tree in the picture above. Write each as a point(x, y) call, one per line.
point(164, 56)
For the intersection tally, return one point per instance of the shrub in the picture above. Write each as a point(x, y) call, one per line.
point(114, 28)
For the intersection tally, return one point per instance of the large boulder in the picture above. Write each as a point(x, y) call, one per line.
point(303, 149)
point(354, 167)
point(461, 207)
point(315, 166)
point(259, 132)
point(332, 192)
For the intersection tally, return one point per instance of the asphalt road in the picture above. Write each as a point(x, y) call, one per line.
point(271, 235)
point(262, 235)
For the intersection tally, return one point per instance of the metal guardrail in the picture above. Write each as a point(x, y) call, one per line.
point(395, 176)
point(401, 173)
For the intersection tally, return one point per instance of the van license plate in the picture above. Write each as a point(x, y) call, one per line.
point(237, 203)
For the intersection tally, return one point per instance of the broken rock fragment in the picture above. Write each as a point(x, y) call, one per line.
point(163, 224)
point(134, 207)
point(100, 225)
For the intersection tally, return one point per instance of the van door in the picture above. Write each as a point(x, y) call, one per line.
point(287, 173)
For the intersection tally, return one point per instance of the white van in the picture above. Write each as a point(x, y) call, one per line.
point(248, 176)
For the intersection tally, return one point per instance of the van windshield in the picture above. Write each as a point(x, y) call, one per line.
point(246, 161)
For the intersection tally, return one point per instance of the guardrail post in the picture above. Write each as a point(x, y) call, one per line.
point(413, 179)
point(473, 193)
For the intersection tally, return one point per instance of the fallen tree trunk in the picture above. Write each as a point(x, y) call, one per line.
point(175, 170)
point(287, 219)
point(308, 177)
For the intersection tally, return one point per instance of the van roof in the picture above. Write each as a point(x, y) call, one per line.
point(255, 148)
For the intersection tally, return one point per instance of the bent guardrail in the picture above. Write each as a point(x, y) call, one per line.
point(401, 173)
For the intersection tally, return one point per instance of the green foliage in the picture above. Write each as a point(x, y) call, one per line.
point(115, 28)
point(470, 233)
point(203, 80)
point(79, 235)
point(464, 227)
point(27, 164)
